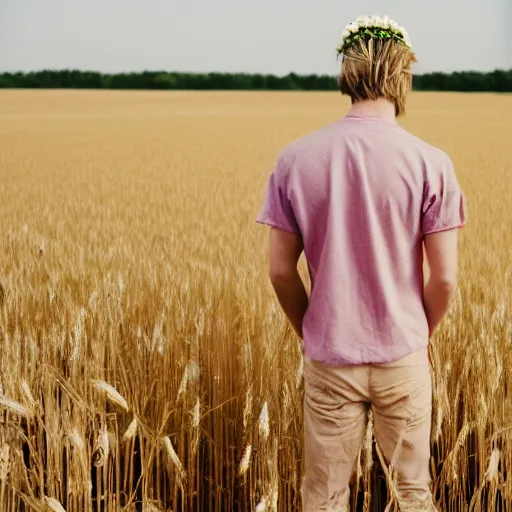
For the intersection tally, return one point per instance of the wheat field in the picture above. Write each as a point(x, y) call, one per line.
point(144, 362)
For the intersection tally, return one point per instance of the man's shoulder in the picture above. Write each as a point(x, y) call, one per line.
point(313, 142)
point(429, 152)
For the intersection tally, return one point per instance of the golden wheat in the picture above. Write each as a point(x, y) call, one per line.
point(144, 361)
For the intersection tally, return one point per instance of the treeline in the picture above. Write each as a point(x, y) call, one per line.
point(495, 81)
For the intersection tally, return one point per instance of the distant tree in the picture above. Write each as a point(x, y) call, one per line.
point(501, 80)
point(6, 82)
point(165, 81)
point(259, 82)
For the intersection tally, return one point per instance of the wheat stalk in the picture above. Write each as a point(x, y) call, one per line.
point(4, 462)
point(15, 407)
point(112, 394)
point(264, 422)
point(131, 431)
point(245, 462)
point(173, 457)
point(54, 504)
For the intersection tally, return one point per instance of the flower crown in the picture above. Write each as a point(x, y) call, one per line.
point(373, 27)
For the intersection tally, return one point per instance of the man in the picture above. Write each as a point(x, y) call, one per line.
point(362, 198)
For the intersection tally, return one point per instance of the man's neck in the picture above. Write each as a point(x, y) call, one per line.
point(373, 108)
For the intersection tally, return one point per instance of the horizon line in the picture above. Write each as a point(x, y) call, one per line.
point(84, 70)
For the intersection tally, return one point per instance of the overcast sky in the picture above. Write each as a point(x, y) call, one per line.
point(270, 36)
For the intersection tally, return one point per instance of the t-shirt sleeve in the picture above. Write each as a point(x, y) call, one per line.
point(444, 202)
point(277, 211)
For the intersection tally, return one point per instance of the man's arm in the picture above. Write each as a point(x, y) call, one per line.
point(285, 251)
point(441, 251)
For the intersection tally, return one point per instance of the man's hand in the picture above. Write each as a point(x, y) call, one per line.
point(285, 251)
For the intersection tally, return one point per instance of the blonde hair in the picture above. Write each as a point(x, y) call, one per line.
point(377, 69)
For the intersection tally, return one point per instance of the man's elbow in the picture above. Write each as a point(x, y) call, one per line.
point(446, 285)
point(282, 275)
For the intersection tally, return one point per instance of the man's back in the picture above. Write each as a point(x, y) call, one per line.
point(362, 193)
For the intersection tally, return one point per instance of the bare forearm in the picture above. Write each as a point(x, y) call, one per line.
point(437, 298)
point(292, 296)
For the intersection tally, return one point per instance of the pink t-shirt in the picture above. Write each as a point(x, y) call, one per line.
point(362, 192)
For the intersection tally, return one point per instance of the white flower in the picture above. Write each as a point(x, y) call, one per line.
point(385, 23)
point(407, 40)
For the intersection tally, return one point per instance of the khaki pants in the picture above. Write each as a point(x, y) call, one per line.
point(336, 405)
